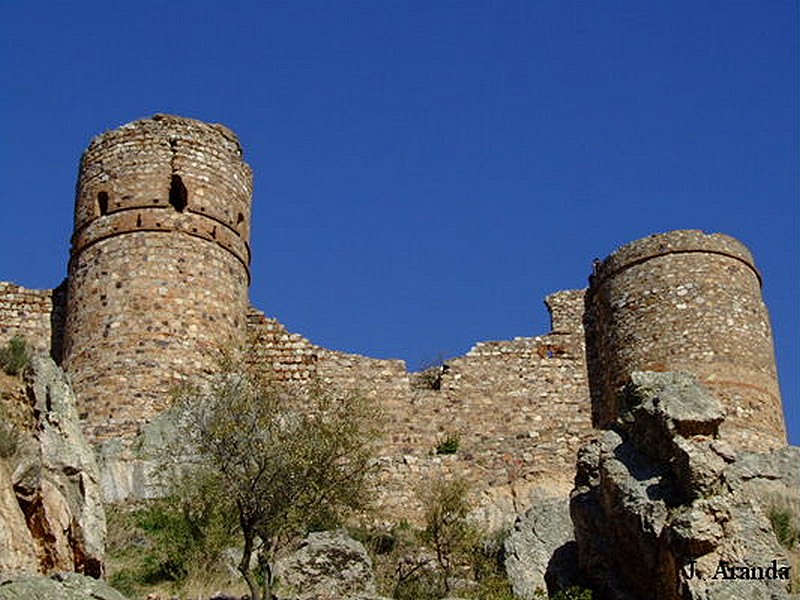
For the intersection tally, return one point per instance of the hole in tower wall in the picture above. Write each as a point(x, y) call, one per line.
point(240, 223)
point(178, 196)
point(102, 203)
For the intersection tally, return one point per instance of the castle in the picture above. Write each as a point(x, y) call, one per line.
point(159, 273)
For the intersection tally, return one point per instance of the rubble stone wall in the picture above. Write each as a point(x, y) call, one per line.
point(158, 282)
point(518, 408)
point(35, 315)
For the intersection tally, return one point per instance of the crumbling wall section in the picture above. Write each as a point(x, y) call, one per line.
point(35, 315)
point(522, 406)
point(517, 410)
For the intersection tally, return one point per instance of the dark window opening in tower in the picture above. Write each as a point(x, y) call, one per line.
point(240, 223)
point(102, 203)
point(178, 196)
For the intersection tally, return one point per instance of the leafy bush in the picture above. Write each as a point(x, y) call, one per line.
point(424, 585)
point(449, 445)
point(163, 542)
point(15, 356)
point(375, 541)
point(785, 520)
point(496, 587)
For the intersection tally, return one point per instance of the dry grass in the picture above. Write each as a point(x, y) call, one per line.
point(784, 515)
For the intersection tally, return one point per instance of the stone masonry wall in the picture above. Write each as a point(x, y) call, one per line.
point(519, 408)
point(687, 300)
point(158, 284)
point(35, 315)
point(158, 273)
point(523, 405)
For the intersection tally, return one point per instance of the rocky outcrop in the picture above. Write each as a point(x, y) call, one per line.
point(663, 509)
point(541, 545)
point(53, 479)
point(16, 542)
point(129, 468)
point(63, 586)
point(328, 565)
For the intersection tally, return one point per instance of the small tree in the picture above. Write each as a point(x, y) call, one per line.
point(285, 461)
point(446, 527)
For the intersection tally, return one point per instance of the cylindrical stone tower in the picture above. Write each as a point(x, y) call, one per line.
point(691, 301)
point(159, 266)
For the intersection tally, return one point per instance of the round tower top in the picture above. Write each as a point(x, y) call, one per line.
point(165, 173)
point(680, 241)
point(173, 127)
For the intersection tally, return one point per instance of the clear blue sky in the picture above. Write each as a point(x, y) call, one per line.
point(427, 171)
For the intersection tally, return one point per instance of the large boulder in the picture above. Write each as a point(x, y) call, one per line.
point(541, 546)
point(328, 565)
point(55, 483)
point(663, 509)
point(62, 586)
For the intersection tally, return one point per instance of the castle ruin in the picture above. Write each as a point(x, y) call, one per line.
point(159, 272)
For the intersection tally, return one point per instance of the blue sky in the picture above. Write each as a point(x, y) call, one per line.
point(426, 172)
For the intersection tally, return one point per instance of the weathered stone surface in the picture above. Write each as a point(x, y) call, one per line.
point(328, 565)
point(63, 586)
point(541, 532)
point(35, 315)
point(55, 481)
point(129, 471)
point(71, 478)
point(658, 500)
point(16, 542)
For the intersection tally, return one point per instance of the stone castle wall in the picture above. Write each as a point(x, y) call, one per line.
point(519, 408)
point(686, 300)
point(158, 283)
point(35, 315)
point(158, 272)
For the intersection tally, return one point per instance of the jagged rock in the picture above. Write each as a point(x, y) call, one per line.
point(55, 480)
point(328, 565)
point(63, 586)
point(540, 542)
point(660, 506)
point(16, 542)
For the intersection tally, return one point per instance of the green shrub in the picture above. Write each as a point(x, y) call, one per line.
point(424, 585)
point(496, 587)
point(449, 445)
point(15, 356)
point(376, 541)
point(162, 542)
point(785, 520)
